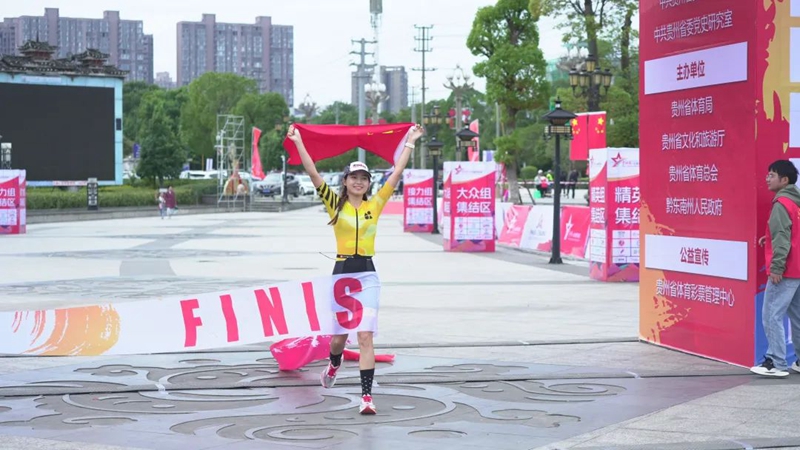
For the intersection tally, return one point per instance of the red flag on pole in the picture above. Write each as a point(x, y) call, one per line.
point(327, 141)
point(597, 130)
point(255, 159)
point(579, 145)
point(475, 151)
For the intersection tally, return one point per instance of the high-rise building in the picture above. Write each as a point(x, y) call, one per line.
point(395, 79)
point(164, 80)
point(8, 37)
point(261, 51)
point(123, 40)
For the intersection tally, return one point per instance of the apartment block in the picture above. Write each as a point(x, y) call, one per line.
point(123, 40)
point(164, 80)
point(261, 51)
point(395, 79)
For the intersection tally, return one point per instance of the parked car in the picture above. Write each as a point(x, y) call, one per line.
point(334, 180)
point(198, 175)
point(306, 185)
point(272, 185)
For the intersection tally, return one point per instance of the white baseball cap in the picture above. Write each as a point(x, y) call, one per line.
point(356, 166)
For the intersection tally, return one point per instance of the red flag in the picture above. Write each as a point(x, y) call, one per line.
point(475, 152)
point(579, 146)
point(327, 141)
point(255, 159)
point(597, 130)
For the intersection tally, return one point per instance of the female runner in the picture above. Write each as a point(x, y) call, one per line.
point(354, 218)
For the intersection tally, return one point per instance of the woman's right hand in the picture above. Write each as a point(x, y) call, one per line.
point(308, 163)
point(294, 135)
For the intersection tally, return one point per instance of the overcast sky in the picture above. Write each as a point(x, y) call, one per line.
point(323, 30)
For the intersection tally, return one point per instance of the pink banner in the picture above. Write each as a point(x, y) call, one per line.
point(418, 200)
point(614, 230)
point(531, 228)
point(475, 152)
point(255, 158)
point(516, 218)
point(13, 202)
point(575, 230)
point(444, 205)
point(469, 206)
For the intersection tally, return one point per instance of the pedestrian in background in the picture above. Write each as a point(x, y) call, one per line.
point(782, 256)
point(162, 204)
point(171, 201)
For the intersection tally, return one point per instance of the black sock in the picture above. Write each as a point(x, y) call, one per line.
point(366, 381)
point(336, 360)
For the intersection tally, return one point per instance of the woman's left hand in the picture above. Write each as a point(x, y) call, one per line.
point(416, 132)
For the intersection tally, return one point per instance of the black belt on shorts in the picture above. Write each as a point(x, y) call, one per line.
point(353, 257)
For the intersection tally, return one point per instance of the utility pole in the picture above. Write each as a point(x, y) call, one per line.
point(497, 119)
point(414, 104)
point(362, 75)
point(423, 40)
point(414, 120)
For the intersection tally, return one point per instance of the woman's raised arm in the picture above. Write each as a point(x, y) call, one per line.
point(308, 163)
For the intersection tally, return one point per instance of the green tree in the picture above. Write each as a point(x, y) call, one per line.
point(404, 115)
point(507, 36)
point(162, 153)
point(262, 111)
point(170, 101)
point(174, 100)
point(606, 27)
point(585, 19)
point(208, 96)
point(132, 95)
point(346, 113)
point(626, 32)
point(271, 149)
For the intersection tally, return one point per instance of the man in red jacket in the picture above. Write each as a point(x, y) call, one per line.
point(782, 252)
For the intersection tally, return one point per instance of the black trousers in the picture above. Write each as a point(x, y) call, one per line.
point(354, 265)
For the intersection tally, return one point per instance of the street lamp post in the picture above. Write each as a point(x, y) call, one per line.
point(433, 120)
point(220, 164)
point(435, 150)
point(280, 128)
point(465, 138)
point(5, 155)
point(376, 95)
point(560, 125)
point(460, 85)
point(589, 80)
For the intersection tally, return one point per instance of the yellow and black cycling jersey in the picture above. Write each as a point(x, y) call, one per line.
point(355, 229)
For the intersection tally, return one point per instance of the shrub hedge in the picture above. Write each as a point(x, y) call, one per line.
point(116, 196)
point(529, 172)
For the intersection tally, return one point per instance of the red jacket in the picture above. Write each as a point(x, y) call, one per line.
point(169, 198)
point(792, 265)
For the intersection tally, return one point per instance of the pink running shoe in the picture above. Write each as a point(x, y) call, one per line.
point(367, 407)
point(328, 376)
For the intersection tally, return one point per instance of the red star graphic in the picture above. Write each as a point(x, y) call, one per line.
point(617, 159)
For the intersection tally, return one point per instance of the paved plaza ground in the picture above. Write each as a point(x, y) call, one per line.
point(498, 351)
